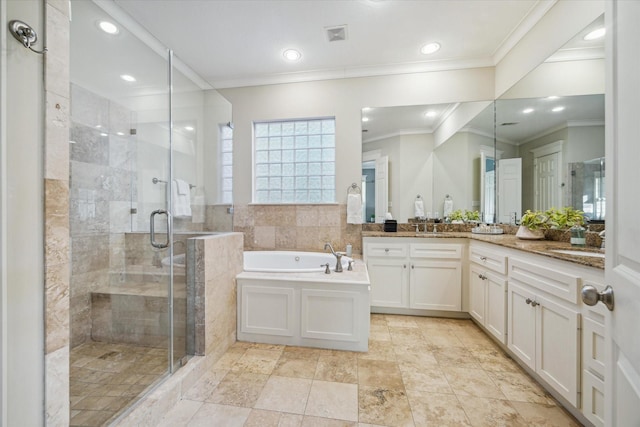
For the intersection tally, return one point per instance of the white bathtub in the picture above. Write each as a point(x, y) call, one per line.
point(290, 262)
point(286, 298)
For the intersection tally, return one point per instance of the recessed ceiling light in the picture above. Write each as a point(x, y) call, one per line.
point(430, 114)
point(430, 48)
point(104, 134)
point(558, 109)
point(98, 126)
point(108, 27)
point(291, 55)
point(527, 110)
point(365, 119)
point(127, 78)
point(595, 34)
point(119, 133)
point(189, 128)
point(552, 97)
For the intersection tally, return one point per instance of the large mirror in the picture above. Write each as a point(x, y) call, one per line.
point(540, 145)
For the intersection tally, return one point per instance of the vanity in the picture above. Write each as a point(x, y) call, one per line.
point(523, 294)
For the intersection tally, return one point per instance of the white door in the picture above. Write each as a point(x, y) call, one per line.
point(436, 285)
point(509, 189)
point(547, 182)
point(622, 272)
point(382, 187)
point(389, 278)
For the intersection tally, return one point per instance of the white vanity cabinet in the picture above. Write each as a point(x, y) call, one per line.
point(544, 322)
point(488, 288)
point(409, 273)
point(388, 266)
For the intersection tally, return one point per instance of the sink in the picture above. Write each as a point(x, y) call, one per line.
point(578, 253)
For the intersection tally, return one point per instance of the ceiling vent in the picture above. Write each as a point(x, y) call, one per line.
point(336, 34)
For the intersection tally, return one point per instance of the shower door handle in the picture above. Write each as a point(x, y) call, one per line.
point(152, 234)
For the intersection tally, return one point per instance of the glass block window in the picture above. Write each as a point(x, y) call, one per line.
point(295, 161)
point(226, 165)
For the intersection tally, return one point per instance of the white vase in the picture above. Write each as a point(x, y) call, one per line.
point(527, 234)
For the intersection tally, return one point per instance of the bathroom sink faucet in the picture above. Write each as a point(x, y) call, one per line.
point(338, 256)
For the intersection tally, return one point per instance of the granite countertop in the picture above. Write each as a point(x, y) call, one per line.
point(540, 247)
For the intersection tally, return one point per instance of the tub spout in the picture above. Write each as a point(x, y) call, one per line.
point(338, 256)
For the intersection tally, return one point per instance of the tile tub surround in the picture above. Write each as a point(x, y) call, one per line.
point(418, 371)
point(296, 227)
point(213, 262)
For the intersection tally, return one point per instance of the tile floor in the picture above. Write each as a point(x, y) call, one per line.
point(105, 378)
point(419, 371)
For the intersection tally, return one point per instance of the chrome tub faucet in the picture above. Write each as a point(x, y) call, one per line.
point(338, 256)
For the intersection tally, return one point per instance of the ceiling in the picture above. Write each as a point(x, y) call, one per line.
point(232, 43)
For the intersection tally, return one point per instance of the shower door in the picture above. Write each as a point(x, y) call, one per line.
point(122, 298)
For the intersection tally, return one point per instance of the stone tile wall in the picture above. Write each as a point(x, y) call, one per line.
point(102, 183)
point(296, 227)
point(212, 265)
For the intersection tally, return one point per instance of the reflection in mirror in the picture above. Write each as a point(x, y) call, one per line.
point(553, 135)
point(555, 118)
point(400, 141)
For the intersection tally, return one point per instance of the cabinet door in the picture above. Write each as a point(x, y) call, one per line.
point(593, 398)
point(436, 285)
point(558, 340)
point(496, 306)
point(477, 293)
point(521, 323)
point(389, 282)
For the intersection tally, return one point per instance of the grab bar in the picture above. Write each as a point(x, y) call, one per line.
point(152, 234)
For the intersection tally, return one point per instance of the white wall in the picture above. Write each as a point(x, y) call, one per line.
point(343, 99)
point(21, 232)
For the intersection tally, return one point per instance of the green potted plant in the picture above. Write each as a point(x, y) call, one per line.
point(532, 225)
point(569, 218)
point(457, 217)
point(472, 216)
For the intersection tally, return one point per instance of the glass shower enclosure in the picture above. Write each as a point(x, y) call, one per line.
point(145, 176)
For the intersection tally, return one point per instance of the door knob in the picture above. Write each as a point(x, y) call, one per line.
point(591, 296)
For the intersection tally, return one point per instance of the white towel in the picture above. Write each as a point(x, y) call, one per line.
point(418, 209)
point(448, 207)
point(181, 202)
point(354, 209)
point(183, 187)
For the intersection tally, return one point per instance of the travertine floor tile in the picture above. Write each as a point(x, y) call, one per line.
point(238, 389)
point(181, 413)
point(434, 409)
point(422, 371)
point(337, 369)
point(384, 406)
point(212, 414)
point(333, 400)
point(284, 395)
point(491, 412)
point(543, 415)
point(472, 382)
point(379, 373)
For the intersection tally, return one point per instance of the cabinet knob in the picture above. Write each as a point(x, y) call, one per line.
point(404, 266)
point(412, 266)
point(534, 303)
point(483, 258)
point(528, 300)
point(386, 250)
point(482, 277)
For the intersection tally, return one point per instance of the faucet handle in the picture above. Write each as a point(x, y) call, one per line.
point(350, 267)
point(327, 270)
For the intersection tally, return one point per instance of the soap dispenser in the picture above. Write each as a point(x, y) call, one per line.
point(578, 238)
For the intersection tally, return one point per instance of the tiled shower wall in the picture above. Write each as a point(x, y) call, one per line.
point(296, 227)
point(102, 184)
